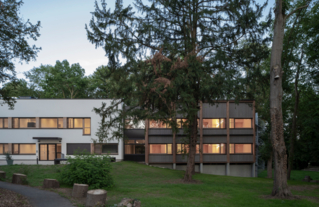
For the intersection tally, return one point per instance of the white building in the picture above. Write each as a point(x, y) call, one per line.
point(46, 129)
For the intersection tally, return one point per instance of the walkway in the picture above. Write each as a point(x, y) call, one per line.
point(37, 197)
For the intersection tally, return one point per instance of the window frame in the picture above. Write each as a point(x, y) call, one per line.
point(57, 118)
point(149, 148)
point(2, 119)
point(219, 123)
point(134, 144)
point(3, 148)
point(83, 124)
point(251, 123)
point(109, 144)
point(183, 147)
point(12, 149)
point(225, 144)
point(13, 118)
point(251, 145)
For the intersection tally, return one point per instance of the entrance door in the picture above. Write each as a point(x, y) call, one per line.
point(50, 151)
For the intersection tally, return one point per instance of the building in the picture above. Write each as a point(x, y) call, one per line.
point(226, 144)
point(45, 129)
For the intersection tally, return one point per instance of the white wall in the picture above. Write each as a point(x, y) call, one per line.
point(53, 108)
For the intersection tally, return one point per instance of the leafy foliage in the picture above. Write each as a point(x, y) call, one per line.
point(88, 169)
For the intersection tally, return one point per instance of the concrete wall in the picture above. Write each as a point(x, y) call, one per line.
point(241, 170)
point(214, 169)
point(52, 108)
point(183, 167)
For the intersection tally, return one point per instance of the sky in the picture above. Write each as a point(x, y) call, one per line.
point(63, 34)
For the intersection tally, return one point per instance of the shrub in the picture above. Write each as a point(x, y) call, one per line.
point(88, 169)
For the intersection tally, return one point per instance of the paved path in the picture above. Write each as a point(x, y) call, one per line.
point(37, 197)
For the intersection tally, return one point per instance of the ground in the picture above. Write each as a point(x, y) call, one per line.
point(163, 187)
point(9, 198)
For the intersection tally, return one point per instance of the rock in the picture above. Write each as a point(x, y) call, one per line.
point(2, 175)
point(124, 202)
point(137, 203)
point(79, 190)
point(18, 178)
point(307, 178)
point(96, 197)
point(50, 183)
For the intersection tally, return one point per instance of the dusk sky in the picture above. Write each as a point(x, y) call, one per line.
point(63, 34)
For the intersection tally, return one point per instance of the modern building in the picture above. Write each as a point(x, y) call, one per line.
point(226, 141)
point(40, 130)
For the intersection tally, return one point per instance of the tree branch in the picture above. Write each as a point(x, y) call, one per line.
point(297, 10)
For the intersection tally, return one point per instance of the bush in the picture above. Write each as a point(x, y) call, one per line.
point(88, 169)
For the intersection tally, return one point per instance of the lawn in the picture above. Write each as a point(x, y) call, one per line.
point(162, 187)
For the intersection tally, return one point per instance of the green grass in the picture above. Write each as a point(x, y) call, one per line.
point(162, 187)
point(295, 175)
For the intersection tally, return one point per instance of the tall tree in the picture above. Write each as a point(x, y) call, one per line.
point(280, 187)
point(14, 33)
point(98, 83)
point(198, 57)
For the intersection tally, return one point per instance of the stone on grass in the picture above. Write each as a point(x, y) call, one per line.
point(51, 183)
point(18, 178)
point(2, 175)
point(128, 202)
point(79, 190)
point(307, 178)
point(96, 197)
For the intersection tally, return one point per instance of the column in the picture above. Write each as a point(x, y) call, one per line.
point(228, 140)
point(201, 136)
point(146, 142)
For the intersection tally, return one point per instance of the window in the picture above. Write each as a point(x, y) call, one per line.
point(4, 148)
point(49, 123)
point(18, 149)
point(157, 124)
point(72, 148)
point(134, 147)
point(181, 122)
point(214, 123)
point(160, 148)
point(23, 123)
point(214, 148)
point(130, 125)
point(184, 149)
point(78, 123)
point(240, 123)
point(3, 123)
point(110, 149)
point(240, 148)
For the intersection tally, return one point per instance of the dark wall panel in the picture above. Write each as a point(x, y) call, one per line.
point(241, 158)
point(214, 158)
point(214, 111)
point(160, 139)
point(183, 158)
point(71, 148)
point(134, 133)
point(159, 132)
point(214, 139)
point(242, 110)
point(214, 131)
point(160, 158)
point(182, 140)
point(241, 139)
point(241, 132)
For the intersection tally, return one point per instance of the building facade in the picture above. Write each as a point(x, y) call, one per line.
point(40, 130)
point(226, 141)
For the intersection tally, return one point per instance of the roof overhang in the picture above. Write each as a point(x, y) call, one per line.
point(48, 139)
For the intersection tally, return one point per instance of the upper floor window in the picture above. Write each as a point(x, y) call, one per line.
point(240, 148)
point(240, 123)
point(23, 122)
point(51, 123)
point(78, 123)
point(214, 148)
point(4, 148)
point(181, 122)
point(157, 124)
point(130, 125)
point(214, 123)
point(3, 123)
point(184, 148)
point(160, 148)
point(23, 149)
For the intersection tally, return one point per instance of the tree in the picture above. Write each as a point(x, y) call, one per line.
point(59, 81)
point(14, 33)
point(280, 187)
point(19, 88)
point(198, 58)
point(98, 83)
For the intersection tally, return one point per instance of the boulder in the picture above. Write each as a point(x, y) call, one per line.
point(128, 202)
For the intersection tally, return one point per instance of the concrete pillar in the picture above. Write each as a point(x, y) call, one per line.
point(201, 167)
point(9, 122)
point(174, 166)
point(65, 122)
point(253, 168)
point(227, 169)
point(37, 122)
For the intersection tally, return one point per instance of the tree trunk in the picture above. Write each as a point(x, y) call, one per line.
point(280, 187)
point(269, 167)
point(294, 120)
point(190, 168)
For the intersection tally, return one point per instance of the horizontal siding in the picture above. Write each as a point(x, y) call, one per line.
point(241, 139)
point(214, 158)
point(241, 158)
point(160, 132)
point(241, 131)
point(214, 131)
point(214, 139)
point(182, 140)
point(134, 133)
point(183, 158)
point(214, 111)
point(241, 110)
point(160, 158)
point(160, 139)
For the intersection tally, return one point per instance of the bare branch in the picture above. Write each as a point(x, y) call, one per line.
point(297, 10)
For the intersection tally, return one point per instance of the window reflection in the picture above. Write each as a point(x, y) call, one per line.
point(184, 149)
point(214, 148)
point(240, 148)
point(240, 123)
point(214, 123)
point(160, 148)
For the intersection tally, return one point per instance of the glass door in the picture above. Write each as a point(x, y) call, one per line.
point(50, 151)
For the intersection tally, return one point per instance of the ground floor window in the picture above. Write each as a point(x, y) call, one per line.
point(78, 148)
point(214, 148)
point(240, 148)
point(184, 148)
point(134, 147)
point(18, 149)
point(4, 148)
point(160, 148)
point(110, 149)
point(49, 151)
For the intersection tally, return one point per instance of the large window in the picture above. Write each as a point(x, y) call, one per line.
point(157, 124)
point(51, 123)
point(78, 148)
point(78, 123)
point(214, 123)
point(3, 123)
point(182, 122)
point(18, 149)
point(110, 149)
point(129, 124)
point(23, 123)
point(214, 148)
point(240, 123)
point(160, 148)
point(134, 147)
point(240, 148)
point(184, 149)
point(4, 148)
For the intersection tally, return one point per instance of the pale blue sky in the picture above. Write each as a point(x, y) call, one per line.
point(63, 34)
